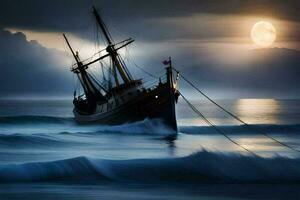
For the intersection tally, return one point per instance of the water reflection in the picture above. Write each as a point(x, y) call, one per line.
point(253, 111)
point(258, 144)
point(258, 111)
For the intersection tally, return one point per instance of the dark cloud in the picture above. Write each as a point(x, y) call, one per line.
point(64, 15)
point(143, 20)
point(272, 70)
point(29, 68)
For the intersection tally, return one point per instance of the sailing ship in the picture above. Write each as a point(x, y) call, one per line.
point(121, 98)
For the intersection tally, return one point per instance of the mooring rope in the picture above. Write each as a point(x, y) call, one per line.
point(213, 126)
point(237, 118)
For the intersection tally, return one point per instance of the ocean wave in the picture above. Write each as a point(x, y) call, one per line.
point(147, 126)
point(70, 169)
point(34, 119)
point(24, 140)
point(243, 129)
point(47, 124)
point(201, 167)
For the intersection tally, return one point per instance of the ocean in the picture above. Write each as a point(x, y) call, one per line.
point(45, 154)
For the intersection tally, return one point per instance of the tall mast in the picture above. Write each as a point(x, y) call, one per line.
point(75, 56)
point(91, 92)
point(112, 51)
point(102, 26)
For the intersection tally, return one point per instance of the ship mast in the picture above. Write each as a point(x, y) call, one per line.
point(90, 85)
point(112, 51)
point(91, 92)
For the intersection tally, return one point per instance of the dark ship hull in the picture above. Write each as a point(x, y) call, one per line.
point(158, 103)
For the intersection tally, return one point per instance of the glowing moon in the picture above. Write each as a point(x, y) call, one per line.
point(263, 34)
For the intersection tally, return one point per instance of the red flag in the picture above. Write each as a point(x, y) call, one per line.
point(166, 62)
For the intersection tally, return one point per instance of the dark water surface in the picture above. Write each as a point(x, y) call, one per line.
point(44, 154)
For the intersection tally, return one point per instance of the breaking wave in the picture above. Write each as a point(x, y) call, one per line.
point(200, 167)
point(48, 124)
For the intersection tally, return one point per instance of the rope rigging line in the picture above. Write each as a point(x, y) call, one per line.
point(213, 126)
point(146, 72)
point(92, 76)
point(239, 119)
point(129, 59)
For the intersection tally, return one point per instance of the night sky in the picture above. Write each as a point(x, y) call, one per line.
point(209, 42)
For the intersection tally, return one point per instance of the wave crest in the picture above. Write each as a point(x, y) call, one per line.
point(47, 124)
point(200, 167)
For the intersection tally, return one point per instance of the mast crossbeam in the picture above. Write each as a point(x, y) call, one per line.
point(104, 56)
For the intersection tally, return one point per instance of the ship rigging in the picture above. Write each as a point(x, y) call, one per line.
point(123, 98)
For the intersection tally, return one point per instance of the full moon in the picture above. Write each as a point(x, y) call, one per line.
point(263, 34)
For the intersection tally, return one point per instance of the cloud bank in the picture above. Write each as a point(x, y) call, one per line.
point(28, 68)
